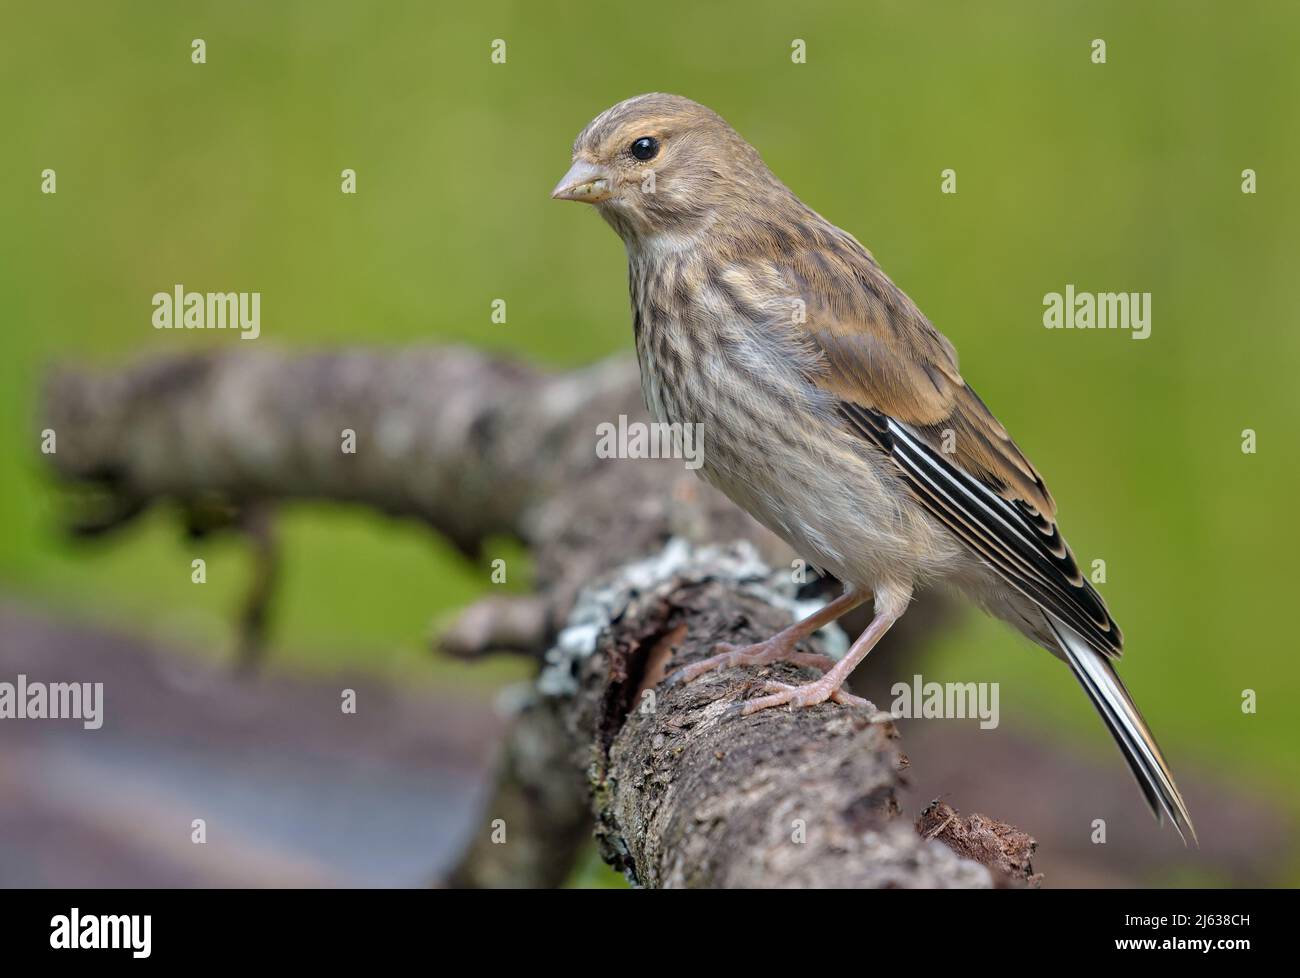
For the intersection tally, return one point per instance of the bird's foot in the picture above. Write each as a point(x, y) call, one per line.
point(775, 649)
point(809, 694)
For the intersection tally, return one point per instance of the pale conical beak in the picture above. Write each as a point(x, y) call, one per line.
point(585, 182)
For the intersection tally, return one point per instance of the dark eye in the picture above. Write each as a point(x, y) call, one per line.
point(644, 148)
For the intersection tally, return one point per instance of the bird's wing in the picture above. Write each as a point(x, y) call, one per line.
point(898, 386)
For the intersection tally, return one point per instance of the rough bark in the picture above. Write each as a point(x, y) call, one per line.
point(1003, 848)
point(688, 795)
point(637, 566)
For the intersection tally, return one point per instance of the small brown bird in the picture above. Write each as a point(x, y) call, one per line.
point(833, 410)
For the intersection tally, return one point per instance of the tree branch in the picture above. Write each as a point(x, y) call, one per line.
point(638, 565)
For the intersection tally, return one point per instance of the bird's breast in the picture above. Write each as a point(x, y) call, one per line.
point(768, 437)
point(732, 374)
point(713, 353)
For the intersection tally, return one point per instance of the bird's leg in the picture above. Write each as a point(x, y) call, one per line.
point(779, 648)
point(829, 687)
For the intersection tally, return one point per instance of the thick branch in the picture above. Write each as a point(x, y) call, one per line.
point(688, 795)
point(630, 578)
point(429, 440)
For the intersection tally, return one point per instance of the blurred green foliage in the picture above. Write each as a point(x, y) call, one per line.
point(1123, 176)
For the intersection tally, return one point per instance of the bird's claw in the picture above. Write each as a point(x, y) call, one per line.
point(782, 694)
point(677, 678)
point(726, 655)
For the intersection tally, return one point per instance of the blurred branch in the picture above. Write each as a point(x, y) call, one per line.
point(513, 624)
point(538, 817)
point(413, 434)
point(628, 579)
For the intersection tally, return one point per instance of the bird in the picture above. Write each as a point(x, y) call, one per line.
point(834, 413)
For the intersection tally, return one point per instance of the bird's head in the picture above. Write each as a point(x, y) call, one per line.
point(663, 165)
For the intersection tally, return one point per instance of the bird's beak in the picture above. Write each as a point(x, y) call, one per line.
point(585, 182)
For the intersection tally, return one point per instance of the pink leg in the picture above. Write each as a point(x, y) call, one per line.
point(828, 687)
point(779, 648)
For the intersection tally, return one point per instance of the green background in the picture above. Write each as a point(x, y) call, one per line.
point(1122, 176)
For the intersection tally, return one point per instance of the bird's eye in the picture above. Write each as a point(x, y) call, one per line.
point(644, 148)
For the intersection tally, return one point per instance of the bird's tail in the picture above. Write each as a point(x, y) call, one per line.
point(1102, 684)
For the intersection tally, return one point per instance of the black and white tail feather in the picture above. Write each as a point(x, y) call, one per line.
point(1025, 548)
point(1124, 721)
